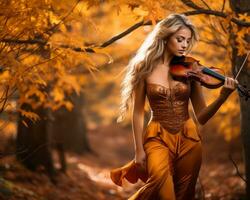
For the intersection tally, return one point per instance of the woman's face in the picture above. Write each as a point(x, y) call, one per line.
point(179, 42)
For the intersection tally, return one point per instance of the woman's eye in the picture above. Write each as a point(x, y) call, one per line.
point(179, 40)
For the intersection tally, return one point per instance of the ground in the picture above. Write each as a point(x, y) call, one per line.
point(88, 174)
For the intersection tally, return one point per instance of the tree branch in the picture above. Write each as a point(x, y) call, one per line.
point(236, 167)
point(206, 4)
point(131, 29)
point(191, 4)
point(20, 41)
point(219, 14)
point(5, 99)
point(79, 49)
point(223, 5)
point(199, 10)
point(51, 29)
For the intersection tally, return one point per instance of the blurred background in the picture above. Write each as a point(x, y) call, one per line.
point(61, 66)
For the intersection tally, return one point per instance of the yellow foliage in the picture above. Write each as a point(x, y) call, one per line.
point(68, 105)
point(71, 81)
point(244, 17)
point(242, 44)
point(57, 94)
point(45, 75)
point(30, 115)
point(4, 77)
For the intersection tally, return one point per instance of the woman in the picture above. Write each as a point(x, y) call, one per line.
point(168, 152)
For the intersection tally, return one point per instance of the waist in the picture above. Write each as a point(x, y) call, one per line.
point(170, 114)
point(172, 123)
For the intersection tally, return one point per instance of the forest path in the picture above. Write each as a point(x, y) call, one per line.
point(88, 174)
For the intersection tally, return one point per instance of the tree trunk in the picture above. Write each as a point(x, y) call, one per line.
point(241, 6)
point(33, 143)
point(62, 129)
point(244, 79)
point(69, 127)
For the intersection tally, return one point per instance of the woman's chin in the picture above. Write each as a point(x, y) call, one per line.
point(179, 54)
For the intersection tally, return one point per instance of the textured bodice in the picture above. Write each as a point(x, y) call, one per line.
point(169, 105)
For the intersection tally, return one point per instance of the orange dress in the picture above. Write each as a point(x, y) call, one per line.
point(172, 144)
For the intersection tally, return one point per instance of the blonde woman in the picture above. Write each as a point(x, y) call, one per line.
point(168, 153)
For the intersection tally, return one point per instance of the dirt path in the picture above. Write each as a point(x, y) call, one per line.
point(88, 175)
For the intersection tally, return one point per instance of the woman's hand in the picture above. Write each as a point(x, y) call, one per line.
point(229, 86)
point(140, 158)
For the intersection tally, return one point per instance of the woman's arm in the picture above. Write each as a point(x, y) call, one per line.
point(138, 115)
point(203, 112)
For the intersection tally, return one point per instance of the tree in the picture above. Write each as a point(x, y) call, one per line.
point(222, 24)
point(40, 74)
point(242, 7)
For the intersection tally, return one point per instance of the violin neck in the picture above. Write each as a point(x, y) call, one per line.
point(212, 73)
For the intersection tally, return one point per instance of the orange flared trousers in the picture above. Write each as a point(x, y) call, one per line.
point(173, 164)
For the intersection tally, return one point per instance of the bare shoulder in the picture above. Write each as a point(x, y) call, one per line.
point(156, 75)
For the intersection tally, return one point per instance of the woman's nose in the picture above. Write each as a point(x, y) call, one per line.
point(184, 45)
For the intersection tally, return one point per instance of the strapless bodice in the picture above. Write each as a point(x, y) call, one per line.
point(169, 105)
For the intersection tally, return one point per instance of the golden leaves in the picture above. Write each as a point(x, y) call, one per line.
point(57, 94)
point(228, 19)
point(50, 83)
point(92, 3)
point(54, 18)
point(244, 17)
point(147, 10)
point(133, 5)
point(240, 33)
point(4, 77)
point(30, 115)
point(242, 44)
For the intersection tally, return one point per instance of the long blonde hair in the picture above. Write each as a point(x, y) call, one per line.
point(149, 54)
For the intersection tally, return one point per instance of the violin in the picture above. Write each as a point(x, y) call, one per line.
point(209, 77)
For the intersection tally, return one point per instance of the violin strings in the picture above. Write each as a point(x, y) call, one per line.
point(242, 66)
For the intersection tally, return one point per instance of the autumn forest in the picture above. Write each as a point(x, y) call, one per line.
point(61, 68)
